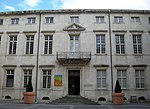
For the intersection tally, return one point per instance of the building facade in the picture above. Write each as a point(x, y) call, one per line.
point(75, 52)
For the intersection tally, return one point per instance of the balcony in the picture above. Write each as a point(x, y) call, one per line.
point(73, 58)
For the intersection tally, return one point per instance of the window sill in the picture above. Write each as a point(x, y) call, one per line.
point(117, 54)
point(105, 89)
point(140, 89)
point(47, 55)
point(99, 22)
point(98, 54)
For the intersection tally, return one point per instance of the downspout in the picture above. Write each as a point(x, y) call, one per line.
point(110, 41)
point(37, 58)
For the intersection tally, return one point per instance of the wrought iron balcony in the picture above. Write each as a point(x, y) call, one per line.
point(73, 57)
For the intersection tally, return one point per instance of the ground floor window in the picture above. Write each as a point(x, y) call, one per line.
point(27, 76)
point(101, 78)
point(139, 79)
point(9, 78)
point(46, 78)
point(122, 78)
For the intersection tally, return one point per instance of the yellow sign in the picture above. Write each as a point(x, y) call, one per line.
point(58, 80)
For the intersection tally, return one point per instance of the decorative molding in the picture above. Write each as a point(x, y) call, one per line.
point(101, 65)
point(136, 31)
point(100, 30)
point(12, 66)
point(121, 31)
point(41, 66)
point(29, 32)
point(12, 32)
point(120, 65)
point(47, 32)
point(1, 32)
point(27, 66)
point(74, 27)
point(139, 65)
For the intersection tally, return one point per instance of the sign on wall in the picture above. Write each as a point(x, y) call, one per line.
point(58, 80)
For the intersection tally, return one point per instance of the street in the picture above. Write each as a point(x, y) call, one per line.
point(49, 106)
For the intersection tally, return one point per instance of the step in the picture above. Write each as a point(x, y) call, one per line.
point(69, 99)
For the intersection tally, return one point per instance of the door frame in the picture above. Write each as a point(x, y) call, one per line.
point(68, 80)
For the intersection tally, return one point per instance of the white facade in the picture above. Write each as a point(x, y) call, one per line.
point(79, 42)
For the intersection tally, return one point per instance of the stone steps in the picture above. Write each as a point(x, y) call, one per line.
point(73, 100)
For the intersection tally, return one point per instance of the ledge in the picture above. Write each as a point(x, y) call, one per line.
point(101, 65)
point(12, 32)
point(9, 65)
point(46, 66)
point(136, 31)
point(100, 30)
point(119, 65)
point(27, 66)
point(122, 31)
point(140, 65)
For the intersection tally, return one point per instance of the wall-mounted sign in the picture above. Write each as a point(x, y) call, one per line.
point(58, 80)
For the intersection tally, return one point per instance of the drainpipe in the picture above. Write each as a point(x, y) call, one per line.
point(110, 41)
point(37, 58)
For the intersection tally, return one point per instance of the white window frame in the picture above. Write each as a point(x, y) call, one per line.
point(48, 44)
point(12, 44)
point(101, 78)
point(14, 21)
point(31, 20)
point(139, 79)
point(74, 19)
point(118, 19)
point(47, 79)
point(135, 19)
point(100, 44)
point(120, 44)
point(100, 19)
point(74, 43)
point(9, 72)
point(27, 76)
point(29, 44)
point(49, 20)
point(137, 44)
point(122, 77)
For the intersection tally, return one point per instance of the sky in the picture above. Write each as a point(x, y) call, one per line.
point(19, 5)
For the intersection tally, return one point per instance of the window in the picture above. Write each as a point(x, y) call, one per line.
point(74, 43)
point(74, 19)
point(49, 19)
point(118, 19)
point(15, 21)
point(46, 78)
point(100, 43)
point(1, 21)
point(137, 44)
point(27, 76)
point(99, 19)
point(48, 44)
point(12, 44)
point(0, 40)
point(120, 45)
point(122, 78)
point(101, 78)
point(29, 44)
point(31, 20)
point(9, 78)
point(149, 19)
point(135, 19)
point(139, 78)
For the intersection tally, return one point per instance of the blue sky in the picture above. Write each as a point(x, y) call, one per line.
point(18, 5)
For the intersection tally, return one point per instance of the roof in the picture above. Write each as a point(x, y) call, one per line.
point(63, 11)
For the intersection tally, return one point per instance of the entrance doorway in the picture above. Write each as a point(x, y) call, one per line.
point(74, 82)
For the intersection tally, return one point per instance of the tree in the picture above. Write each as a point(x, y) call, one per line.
point(29, 87)
point(118, 87)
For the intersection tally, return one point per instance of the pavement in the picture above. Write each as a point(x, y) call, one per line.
point(11, 104)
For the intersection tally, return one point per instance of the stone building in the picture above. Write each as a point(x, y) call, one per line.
point(75, 52)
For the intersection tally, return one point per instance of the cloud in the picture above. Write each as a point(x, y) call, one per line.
point(30, 4)
point(105, 4)
point(56, 4)
point(10, 8)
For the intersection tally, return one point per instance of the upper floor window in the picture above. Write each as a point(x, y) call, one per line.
point(12, 44)
point(49, 19)
point(120, 44)
point(118, 19)
point(100, 43)
point(31, 20)
point(48, 44)
point(149, 20)
point(137, 44)
point(1, 21)
point(135, 19)
point(29, 44)
point(15, 21)
point(139, 78)
point(27, 76)
point(9, 78)
point(101, 78)
point(46, 78)
point(122, 78)
point(74, 19)
point(74, 43)
point(0, 40)
point(100, 19)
